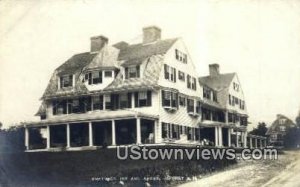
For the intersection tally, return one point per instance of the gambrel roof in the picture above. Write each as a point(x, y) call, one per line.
point(112, 57)
point(275, 127)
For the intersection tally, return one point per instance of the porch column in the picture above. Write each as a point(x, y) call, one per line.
point(255, 142)
point(250, 139)
point(237, 139)
point(229, 137)
point(48, 137)
point(245, 139)
point(220, 137)
point(27, 138)
point(68, 135)
point(113, 132)
point(226, 117)
point(260, 143)
point(138, 130)
point(216, 136)
point(90, 134)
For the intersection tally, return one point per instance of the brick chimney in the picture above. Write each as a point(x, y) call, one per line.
point(151, 34)
point(214, 69)
point(98, 42)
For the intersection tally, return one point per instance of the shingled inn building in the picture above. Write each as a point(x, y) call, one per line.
point(147, 93)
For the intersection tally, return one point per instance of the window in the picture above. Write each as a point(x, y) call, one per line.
point(181, 75)
point(170, 99)
point(181, 100)
point(230, 100)
point(59, 107)
point(170, 73)
point(180, 56)
point(198, 107)
point(164, 130)
point(194, 84)
point(206, 92)
point(125, 100)
point(108, 74)
point(206, 114)
point(98, 102)
point(236, 87)
point(188, 78)
point(94, 77)
point(282, 121)
point(66, 81)
point(242, 104)
point(143, 98)
point(215, 96)
point(236, 100)
point(132, 72)
point(108, 104)
point(190, 105)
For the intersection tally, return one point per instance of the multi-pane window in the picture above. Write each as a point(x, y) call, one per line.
point(143, 98)
point(164, 130)
point(108, 74)
point(170, 73)
point(59, 107)
point(125, 100)
point(132, 72)
point(198, 107)
point(94, 77)
point(180, 56)
point(206, 93)
point(108, 103)
point(182, 101)
point(170, 99)
point(66, 81)
point(181, 75)
point(236, 87)
point(190, 105)
point(206, 114)
point(194, 84)
point(98, 102)
point(189, 83)
point(242, 104)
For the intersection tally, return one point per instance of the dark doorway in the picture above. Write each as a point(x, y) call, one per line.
point(37, 139)
point(58, 136)
point(79, 134)
point(147, 131)
point(225, 136)
point(125, 131)
point(102, 133)
point(207, 135)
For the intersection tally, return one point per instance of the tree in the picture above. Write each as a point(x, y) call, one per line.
point(260, 130)
point(298, 120)
point(292, 138)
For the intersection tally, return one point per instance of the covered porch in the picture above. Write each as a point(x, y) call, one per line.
point(91, 134)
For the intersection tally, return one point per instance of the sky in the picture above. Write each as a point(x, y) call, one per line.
point(258, 39)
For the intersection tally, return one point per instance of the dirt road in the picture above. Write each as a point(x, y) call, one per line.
point(266, 173)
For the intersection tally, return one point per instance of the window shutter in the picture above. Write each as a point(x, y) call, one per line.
point(149, 98)
point(126, 73)
point(71, 80)
point(54, 107)
point(174, 71)
point(163, 98)
point(176, 99)
point(90, 78)
point(136, 99)
point(129, 100)
point(166, 73)
point(100, 76)
point(137, 71)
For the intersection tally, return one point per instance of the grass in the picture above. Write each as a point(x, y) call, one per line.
point(80, 167)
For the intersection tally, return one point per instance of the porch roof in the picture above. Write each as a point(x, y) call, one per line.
point(92, 116)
